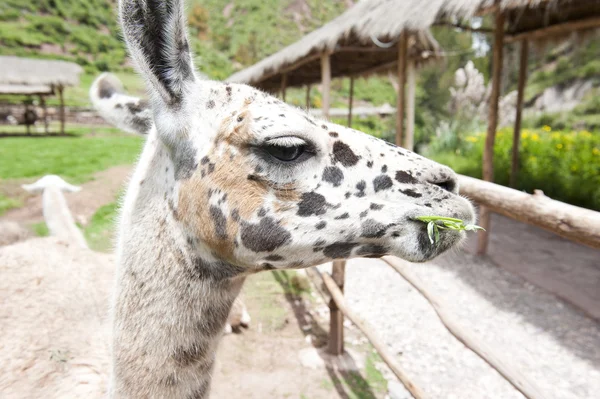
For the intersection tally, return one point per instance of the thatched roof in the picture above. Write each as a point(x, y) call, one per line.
point(26, 89)
point(17, 71)
point(351, 37)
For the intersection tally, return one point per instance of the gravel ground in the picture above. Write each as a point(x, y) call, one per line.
point(552, 343)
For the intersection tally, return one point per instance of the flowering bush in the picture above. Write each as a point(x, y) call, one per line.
point(565, 165)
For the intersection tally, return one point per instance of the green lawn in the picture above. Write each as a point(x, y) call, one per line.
point(74, 158)
point(7, 203)
point(99, 232)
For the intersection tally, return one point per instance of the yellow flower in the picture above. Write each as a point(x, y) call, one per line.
point(471, 139)
point(596, 151)
point(585, 133)
point(546, 128)
point(525, 135)
point(559, 146)
point(535, 137)
point(555, 136)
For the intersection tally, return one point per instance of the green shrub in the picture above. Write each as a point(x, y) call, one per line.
point(565, 165)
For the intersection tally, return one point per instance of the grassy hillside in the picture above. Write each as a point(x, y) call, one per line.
point(228, 35)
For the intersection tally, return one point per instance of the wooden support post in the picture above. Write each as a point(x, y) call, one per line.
point(514, 170)
point(283, 86)
point(350, 101)
point(62, 109)
point(45, 112)
point(409, 141)
point(336, 317)
point(26, 117)
point(307, 97)
point(488, 151)
point(400, 100)
point(326, 83)
point(374, 339)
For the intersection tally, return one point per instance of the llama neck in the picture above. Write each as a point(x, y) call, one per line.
point(59, 219)
point(170, 307)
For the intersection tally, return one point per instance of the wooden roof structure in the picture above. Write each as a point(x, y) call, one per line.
point(362, 40)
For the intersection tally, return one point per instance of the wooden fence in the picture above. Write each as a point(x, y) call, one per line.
point(568, 221)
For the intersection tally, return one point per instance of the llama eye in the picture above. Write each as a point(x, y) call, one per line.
point(286, 149)
point(286, 154)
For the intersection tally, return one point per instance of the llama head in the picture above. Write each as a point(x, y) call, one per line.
point(50, 181)
point(260, 184)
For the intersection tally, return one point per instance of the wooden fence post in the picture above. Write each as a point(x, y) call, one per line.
point(307, 97)
point(488, 152)
point(336, 317)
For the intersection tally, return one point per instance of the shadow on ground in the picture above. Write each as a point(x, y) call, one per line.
point(347, 382)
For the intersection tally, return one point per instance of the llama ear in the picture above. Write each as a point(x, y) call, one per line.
point(155, 33)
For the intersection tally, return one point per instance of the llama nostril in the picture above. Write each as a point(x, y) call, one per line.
point(448, 184)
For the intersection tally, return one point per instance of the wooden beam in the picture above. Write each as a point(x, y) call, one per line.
point(409, 140)
point(283, 86)
point(555, 30)
point(62, 109)
point(488, 151)
point(373, 338)
point(289, 68)
point(499, 361)
point(400, 99)
point(307, 97)
point(571, 222)
point(464, 27)
point(350, 100)
point(514, 169)
point(45, 112)
point(336, 317)
point(326, 83)
point(360, 49)
point(26, 116)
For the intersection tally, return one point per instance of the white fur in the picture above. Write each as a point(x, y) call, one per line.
point(57, 215)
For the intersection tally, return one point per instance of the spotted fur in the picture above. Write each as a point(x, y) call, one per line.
point(213, 200)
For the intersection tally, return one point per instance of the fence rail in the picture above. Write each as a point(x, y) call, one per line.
point(571, 222)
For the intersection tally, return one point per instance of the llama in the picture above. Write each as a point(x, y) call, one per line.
point(56, 211)
point(231, 182)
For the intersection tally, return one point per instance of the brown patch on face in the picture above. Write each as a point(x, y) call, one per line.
point(235, 176)
point(242, 194)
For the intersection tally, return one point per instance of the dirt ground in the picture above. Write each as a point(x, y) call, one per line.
point(264, 361)
point(566, 269)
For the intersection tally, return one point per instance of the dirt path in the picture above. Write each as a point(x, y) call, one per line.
point(102, 190)
point(265, 360)
point(561, 267)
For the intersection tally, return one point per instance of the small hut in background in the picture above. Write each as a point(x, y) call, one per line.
point(41, 78)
